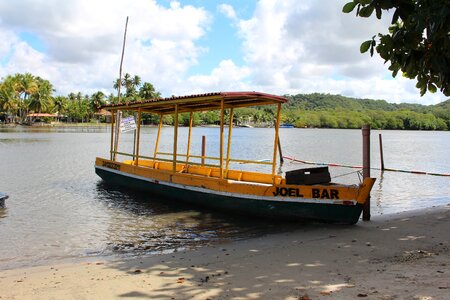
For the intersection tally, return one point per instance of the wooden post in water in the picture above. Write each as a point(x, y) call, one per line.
point(279, 150)
point(366, 167)
point(381, 151)
point(279, 145)
point(203, 149)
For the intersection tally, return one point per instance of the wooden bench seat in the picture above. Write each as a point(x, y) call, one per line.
point(209, 171)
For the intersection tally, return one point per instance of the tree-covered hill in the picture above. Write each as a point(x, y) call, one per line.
point(336, 111)
point(317, 101)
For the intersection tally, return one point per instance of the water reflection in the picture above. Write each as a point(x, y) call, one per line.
point(21, 141)
point(141, 223)
point(51, 129)
point(61, 208)
point(3, 212)
point(377, 191)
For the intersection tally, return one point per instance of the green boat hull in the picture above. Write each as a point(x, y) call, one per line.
point(297, 211)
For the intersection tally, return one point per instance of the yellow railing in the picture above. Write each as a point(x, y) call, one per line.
point(217, 158)
point(243, 161)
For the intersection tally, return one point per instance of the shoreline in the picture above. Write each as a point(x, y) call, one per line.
point(396, 256)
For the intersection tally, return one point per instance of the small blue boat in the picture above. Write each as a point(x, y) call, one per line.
point(3, 197)
point(287, 125)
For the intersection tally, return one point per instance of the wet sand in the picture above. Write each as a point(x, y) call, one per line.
point(401, 256)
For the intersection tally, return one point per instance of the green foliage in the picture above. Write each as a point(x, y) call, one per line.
point(21, 94)
point(418, 42)
point(335, 111)
point(184, 118)
point(135, 90)
point(210, 117)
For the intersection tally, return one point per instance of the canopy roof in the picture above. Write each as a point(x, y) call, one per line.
point(200, 102)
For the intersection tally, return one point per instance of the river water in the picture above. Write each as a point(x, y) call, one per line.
point(60, 210)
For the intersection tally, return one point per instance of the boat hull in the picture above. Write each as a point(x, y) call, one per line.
point(297, 211)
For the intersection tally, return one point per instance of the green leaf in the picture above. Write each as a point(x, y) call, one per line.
point(365, 46)
point(378, 12)
point(423, 90)
point(348, 7)
point(432, 88)
point(364, 2)
point(366, 11)
point(421, 83)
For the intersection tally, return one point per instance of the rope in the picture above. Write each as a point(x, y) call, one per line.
point(342, 175)
point(360, 167)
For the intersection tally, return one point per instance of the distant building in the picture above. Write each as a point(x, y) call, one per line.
point(103, 115)
point(40, 117)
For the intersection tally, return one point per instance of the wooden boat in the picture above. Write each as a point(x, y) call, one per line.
point(193, 178)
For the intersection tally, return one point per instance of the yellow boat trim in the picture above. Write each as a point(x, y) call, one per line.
point(240, 182)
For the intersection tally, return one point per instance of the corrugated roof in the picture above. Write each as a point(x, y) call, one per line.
point(200, 102)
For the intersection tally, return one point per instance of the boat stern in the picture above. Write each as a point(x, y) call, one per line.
point(364, 189)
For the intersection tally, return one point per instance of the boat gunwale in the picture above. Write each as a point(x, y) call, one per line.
point(348, 202)
point(353, 191)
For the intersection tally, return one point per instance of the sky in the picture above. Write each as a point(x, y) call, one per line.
point(194, 46)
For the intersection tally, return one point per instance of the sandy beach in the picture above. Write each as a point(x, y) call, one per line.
point(401, 256)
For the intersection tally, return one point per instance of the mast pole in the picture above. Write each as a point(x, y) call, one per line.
point(119, 113)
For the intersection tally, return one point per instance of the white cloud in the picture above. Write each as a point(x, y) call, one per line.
point(288, 47)
point(228, 11)
point(226, 77)
point(311, 46)
point(83, 41)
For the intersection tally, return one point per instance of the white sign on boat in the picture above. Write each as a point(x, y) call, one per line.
point(127, 124)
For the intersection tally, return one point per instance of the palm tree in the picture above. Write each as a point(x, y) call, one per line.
point(29, 85)
point(41, 100)
point(147, 91)
point(26, 86)
point(97, 100)
point(131, 84)
point(60, 105)
point(128, 83)
point(116, 84)
point(8, 101)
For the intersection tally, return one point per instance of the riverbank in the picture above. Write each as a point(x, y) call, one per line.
point(401, 256)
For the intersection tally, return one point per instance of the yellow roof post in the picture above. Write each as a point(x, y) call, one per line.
point(112, 136)
point(189, 138)
point(158, 136)
point(138, 139)
point(175, 138)
point(277, 126)
point(221, 136)
point(230, 131)
point(117, 134)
